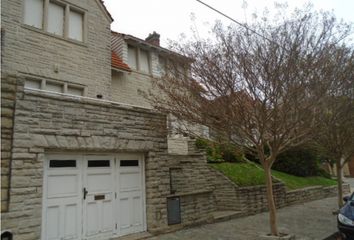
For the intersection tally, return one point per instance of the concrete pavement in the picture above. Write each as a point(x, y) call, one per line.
point(312, 220)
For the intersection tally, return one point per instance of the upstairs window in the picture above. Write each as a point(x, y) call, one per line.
point(60, 19)
point(132, 57)
point(144, 61)
point(139, 59)
point(162, 65)
point(33, 13)
point(56, 19)
point(76, 24)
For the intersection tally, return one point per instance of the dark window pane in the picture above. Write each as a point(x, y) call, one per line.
point(129, 163)
point(98, 163)
point(62, 163)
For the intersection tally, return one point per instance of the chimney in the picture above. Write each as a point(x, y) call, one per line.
point(153, 38)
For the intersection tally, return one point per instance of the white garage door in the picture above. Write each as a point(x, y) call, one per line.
point(93, 196)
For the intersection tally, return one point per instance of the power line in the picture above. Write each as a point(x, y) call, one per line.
point(235, 21)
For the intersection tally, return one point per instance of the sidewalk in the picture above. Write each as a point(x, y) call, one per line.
point(312, 220)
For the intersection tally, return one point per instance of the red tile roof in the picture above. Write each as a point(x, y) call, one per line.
point(118, 63)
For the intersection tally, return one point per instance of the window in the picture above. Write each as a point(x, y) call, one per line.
point(54, 87)
point(62, 163)
point(55, 19)
point(59, 87)
point(32, 83)
point(98, 163)
point(76, 25)
point(33, 13)
point(162, 66)
point(75, 91)
point(139, 59)
point(132, 57)
point(144, 61)
point(129, 163)
point(60, 19)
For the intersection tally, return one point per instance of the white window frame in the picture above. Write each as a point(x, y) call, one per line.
point(137, 59)
point(65, 86)
point(67, 9)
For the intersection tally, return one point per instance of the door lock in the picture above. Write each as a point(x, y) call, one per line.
point(85, 193)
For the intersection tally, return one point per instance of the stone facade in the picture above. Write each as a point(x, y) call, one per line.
point(8, 97)
point(32, 52)
point(48, 123)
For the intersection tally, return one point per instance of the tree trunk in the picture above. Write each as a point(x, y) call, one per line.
point(271, 202)
point(339, 183)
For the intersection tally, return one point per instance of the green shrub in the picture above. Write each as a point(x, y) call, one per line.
point(299, 161)
point(217, 152)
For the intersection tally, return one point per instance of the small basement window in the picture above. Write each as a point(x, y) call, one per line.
point(77, 91)
point(54, 87)
point(98, 163)
point(129, 163)
point(62, 163)
point(33, 83)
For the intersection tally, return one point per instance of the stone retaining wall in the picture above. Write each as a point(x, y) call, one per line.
point(251, 200)
point(225, 191)
point(254, 199)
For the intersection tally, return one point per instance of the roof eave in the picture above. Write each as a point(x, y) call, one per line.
point(121, 70)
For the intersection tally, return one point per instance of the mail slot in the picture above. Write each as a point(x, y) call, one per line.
point(173, 210)
point(99, 197)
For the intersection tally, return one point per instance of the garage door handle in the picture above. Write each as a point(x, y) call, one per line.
point(85, 193)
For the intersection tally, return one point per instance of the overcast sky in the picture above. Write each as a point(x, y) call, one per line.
point(170, 18)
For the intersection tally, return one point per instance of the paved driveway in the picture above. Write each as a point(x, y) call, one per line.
point(312, 220)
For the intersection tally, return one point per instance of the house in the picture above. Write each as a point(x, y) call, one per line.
point(83, 156)
point(147, 59)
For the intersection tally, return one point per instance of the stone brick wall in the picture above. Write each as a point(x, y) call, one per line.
point(225, 191)
point(177, 145)
point(8, 97)
point(127, 88)
point(33, 52)
point(190, 180)
point(254, 200)
point(47, 122)
point(251, 200)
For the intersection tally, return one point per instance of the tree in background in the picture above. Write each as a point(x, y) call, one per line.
point(256, 89)
point(335, 132)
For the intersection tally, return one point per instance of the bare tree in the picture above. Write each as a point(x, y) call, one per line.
point(335, 132)
point(257, 90)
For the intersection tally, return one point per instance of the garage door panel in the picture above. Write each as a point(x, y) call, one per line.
point(130, 181)
point(53, 222)
point(62, 185)
point(107, 216)
point(130, 192)
point(99, 182)
point(71, 221)
point(92, 221)
point(137, 211)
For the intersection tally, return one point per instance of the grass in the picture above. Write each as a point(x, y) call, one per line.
point(249, 174)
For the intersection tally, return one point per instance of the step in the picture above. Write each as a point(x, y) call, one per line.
point(134, 236)
point(220, 216)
